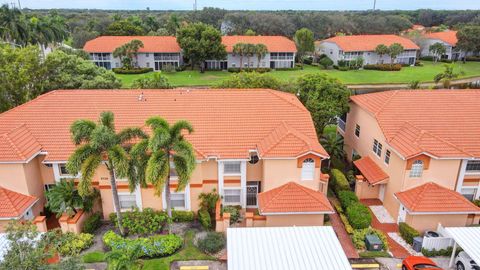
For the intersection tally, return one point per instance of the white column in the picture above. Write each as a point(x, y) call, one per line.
point(243, 183)
point(461, 175)
point(138, 197)
point(56, 172)
point(452, 258)
point(220, 178)
point(187, 198)
point(164, 201)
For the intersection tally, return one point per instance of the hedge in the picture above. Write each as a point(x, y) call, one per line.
point(374, 254)
point(407, 232)
point(205, 219)
point(434, 253)
point(144, 222)
point(183, 216)
point(234, 213)
point(358, 237)
point(348, 227)
point(347, 198)
point(359, 216)
point(92, 223)
point(259, 70)
point(153, 246)
point(473, 58)
point(383, 67)
point(339, 181)
point(132, 71)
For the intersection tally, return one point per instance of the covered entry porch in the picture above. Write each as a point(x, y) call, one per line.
point(372, 181)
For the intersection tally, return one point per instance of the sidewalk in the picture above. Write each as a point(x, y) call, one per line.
point(343, 237)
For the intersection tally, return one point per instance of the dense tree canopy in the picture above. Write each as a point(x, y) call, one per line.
point(469, 38)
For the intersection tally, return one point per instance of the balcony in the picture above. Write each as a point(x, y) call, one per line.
point(341, 124)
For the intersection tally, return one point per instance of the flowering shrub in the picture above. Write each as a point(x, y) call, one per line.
point(154, 246)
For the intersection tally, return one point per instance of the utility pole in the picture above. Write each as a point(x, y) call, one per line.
point(195, 6)
point(374, 4)
point(19, 6)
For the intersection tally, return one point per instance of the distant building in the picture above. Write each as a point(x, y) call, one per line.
point(448, 39)
point(351, 47)
point(157, 51)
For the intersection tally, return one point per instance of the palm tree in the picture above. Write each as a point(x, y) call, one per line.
point(239, 49)
point(151, 158)
point(260, 50)
point(249, 52)
point(381, 50)
point(13, 26)
point(124, 260)
point(333, 144)
point(447, 76)
point(97, 143)
point(127, 51)
point(64, 198)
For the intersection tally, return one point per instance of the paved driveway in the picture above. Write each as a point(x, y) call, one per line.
point(391, 263)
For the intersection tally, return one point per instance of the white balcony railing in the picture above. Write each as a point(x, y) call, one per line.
point(341, 124)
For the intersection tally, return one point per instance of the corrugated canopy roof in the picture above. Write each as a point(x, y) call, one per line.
point(468, 239)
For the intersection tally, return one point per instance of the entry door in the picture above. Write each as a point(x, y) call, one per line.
point(381, 192)
point(402, 213)
point(252, 192)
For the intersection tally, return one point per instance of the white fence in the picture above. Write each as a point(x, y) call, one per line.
point(437, 243)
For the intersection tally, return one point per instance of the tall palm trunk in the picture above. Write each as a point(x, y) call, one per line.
point(241, 61)
point(116, 202)
point(168, 196)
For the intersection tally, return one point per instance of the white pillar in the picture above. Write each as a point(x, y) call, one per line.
point(187, 198)
point(164, 201)
point(138, 197)
point(461, 175)
point(56, 172)
point(220, 178)
point(452, 258)
point(243, 183)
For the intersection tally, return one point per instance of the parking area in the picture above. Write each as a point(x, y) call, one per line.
point(392, 263)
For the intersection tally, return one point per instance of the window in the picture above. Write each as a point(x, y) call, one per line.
point(473, 166)
point(387, 157)
point(47, 187)
point(377, 148)
point(232, 196)
point(231, 167)
point(63, 169)
point(147, 54)
point(357, 130)
point(127, 201)
point(148, 64)
point(469, 193)
point(308, 169)
point(178, 200)
point(417, 169)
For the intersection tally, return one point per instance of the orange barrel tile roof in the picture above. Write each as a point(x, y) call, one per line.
point(273, 43)
point(151, 44)
point(370, 170)
point(227, 122)
point(370, 42)
point(18, 144)
point(440, 123)
point(449, 37)
point(433, 198)
point(13, 204)
point(293, 198)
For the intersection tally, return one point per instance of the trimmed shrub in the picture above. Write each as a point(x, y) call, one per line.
point(183, 216)
point(473, 58)
point(153, 246)
point(70, 244)
point(132, 71)
point(326, 62)
point(407, 232)
point(446, 60)
point(92, 223)
point(205, 219)
point(212, 243)
point(426, 58)
point(418, 64)
point(338, 208)
point(144, 222)
point(359, 216)
point(374, 254)
point(343, 68)
point(348, 227)
point(234, 213)
point(358, 237)
point(339, 181)
point(435, 253)
point(347, 198)
point(259, 70)
point(384, 67)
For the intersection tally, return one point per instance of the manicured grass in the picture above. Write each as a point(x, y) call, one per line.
point(93, 257)
point(188, 252)
point(374, 254)
point(406, 75)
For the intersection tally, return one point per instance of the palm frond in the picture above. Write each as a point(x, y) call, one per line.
point(179, 126)
point(75, 161)
point(119, 159)
point(89, 167)
point(128, 134)
point(139, 156)
point(82, 130)
point(107, 119)
point(159, 139)
point(157, 122)
point(158, 168)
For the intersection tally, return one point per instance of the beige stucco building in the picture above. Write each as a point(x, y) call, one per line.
point(412, 143)
point(243, 146)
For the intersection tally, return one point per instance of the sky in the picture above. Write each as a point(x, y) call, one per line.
point(250, 4)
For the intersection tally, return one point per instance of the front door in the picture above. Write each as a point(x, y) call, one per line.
point(381, 193)
point(252, 192)
point(402, 213)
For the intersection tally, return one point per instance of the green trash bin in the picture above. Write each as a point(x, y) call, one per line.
point(373, 243)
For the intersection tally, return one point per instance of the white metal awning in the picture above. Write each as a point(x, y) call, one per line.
point(468, 238)
point(285, 248)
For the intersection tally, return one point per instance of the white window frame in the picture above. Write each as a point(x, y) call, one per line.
point(377, 148)
point(184, 200)
point(308, 169)
point(475, 189)
point(225, 163)
point(470, 162)
point(417, 169)
point(230, 189)
point(186, 192)
point(387, 157)
point(357, 128)
point(123, 209)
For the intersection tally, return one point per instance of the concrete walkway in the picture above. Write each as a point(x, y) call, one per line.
point(343, 237)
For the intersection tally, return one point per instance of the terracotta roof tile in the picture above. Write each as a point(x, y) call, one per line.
point(370, 170)
point(108, 44)
point(427, 198)
point(273, 43)
point(370, 42)
point(449, 37)
point(18, 145)
point(292, 198)
point(227, 123)
point(425, 121)
point(13, 204)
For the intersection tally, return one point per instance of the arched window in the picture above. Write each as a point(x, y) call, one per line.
point(417, 169)
point(308, 169)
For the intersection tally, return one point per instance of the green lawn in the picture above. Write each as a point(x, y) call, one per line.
point(406, 75)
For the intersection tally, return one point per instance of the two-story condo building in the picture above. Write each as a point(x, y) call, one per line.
point(157, 51)
point(420, 154)
point(255, 156)
point(351, 47)
point(448, 39)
